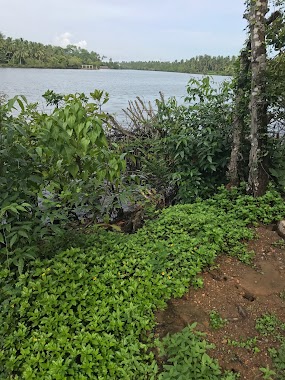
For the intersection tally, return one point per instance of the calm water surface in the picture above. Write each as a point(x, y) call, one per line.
point(122, 85)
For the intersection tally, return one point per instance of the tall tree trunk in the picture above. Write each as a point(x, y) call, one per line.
point(258, 178)
point(241, 108)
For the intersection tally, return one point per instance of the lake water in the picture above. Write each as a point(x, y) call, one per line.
point(122, 85)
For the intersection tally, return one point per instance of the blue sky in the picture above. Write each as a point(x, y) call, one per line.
point(130, 29)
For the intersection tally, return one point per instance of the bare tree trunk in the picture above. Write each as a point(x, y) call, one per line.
point(239, 114)
point(258, 178)
point(233, 173)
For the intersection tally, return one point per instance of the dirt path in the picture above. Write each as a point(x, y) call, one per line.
point(240, 294)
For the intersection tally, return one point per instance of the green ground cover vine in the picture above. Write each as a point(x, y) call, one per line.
point(270, 326)
point(87, 312)
point(188, 358)
point(216, 320)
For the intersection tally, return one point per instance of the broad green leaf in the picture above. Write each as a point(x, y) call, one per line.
point(21, 208)
point(20, 265)
point(85, 142)
point(2, 240)
point(78, 128)
point(13, 240)
point(21, 104)
point(23, 233)
point(73, 169)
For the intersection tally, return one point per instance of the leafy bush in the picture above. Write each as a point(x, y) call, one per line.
point(194, 140)
point(51, 166)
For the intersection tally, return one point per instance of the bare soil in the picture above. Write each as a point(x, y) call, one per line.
point(239, 293)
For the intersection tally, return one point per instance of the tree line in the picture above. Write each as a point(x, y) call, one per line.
point(22, 53)
point(202, 64)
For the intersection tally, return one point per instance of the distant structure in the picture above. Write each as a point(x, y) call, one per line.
point(87, 67)
point(92, 67)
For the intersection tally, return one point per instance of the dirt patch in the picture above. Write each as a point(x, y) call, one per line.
point(240, 294)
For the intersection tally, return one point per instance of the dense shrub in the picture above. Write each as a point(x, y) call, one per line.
point(186, 146)
point(53, 167)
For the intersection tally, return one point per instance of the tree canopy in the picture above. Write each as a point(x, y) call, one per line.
point(23, 53)
point(202, 64)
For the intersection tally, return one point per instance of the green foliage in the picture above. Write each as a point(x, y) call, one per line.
point(277, 169)
point(249, 344)
point(279, 244)
point(85, 315)
point(267, 373)
point(269, 325)
point(12, 233)
point(87, 311)
point(278, 358)
point(197, 139)
point(216, 321)
point(52, 99)
point(190, 144)
point(187, 357)
point(52, 166)
point(23, 53)
point(203, 64)
point(266, 324)
point(266, 209)
point(275, 31)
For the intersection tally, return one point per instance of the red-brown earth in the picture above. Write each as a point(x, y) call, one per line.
point(241, 294)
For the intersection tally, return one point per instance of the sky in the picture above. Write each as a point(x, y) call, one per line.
point(126, 30)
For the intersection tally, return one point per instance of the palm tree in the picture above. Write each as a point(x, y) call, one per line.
point(9, 49)
point(2, 48)
point(21, 50)
point(36, 51)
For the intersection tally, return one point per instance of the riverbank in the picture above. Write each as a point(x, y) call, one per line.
point(210, 73)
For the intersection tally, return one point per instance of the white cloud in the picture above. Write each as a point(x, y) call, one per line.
point(65, 39)
point(81, 44)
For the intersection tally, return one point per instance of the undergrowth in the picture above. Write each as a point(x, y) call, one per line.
point(88, 311)
point(270, 326)
point(187, 357)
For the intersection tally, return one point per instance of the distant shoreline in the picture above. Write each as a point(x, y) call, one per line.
point(20, 53)
point(111, 68)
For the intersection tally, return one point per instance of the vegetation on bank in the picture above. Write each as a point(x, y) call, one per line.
point(88, 311)
point(23, 53)
point(77, 301)
point(202, 64)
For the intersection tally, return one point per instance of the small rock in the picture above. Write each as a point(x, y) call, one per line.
point(281, 228)
point(242, 312)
